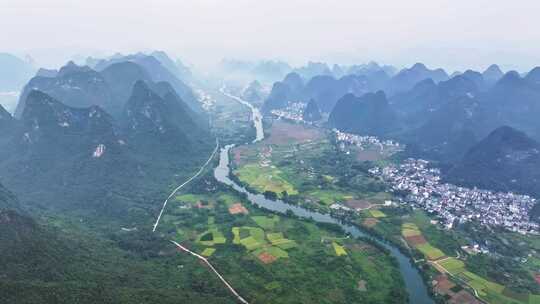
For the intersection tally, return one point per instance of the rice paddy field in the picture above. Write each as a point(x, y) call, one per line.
point(300, 164)
point(340, 250)
point(453, 265)
point(297, 164)
point(265, 179)
point(377, 213)
point(434, 245)
point(413, 236)
point(271, 258)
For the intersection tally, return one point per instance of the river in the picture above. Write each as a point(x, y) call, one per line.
point(256, 115)
point(416, 288)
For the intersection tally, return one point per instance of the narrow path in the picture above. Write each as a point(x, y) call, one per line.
point(205, 260)
point(185, 183)
point(444, 270)
point(373, 206)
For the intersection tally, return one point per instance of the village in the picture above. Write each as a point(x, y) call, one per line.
point(364, 142)
point(294, 111)
point(453, 204)
point(424, 189)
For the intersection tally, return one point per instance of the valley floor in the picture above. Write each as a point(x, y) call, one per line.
point(263, 256)
point(303, 166)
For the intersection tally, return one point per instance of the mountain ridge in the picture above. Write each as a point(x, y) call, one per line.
point(505, 160)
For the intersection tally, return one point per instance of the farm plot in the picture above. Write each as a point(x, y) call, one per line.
point(377, 213)
point(207, 252)
point(266, 222)
point(238, 208)
point(189, 198)
point(265, 179)
point(358, 204)
point(453, 265)
point(430, 252)
point(285, 133)
point(340, 250)
point(250, 237)
point(410, 229)
point(277, 239)
point(268, 247)
point(211, 237)
point(481, 285)
point(227, 199)
point(415, 239)
point(328, 196)
point(370, 222)
point(283, 249)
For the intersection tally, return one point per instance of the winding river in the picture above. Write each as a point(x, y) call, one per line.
point(416, 288)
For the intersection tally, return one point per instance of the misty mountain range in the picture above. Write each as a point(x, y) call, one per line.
point(99, 146)
point(15, 72)
point(108, 85)
point(439, 117)
point(103, 142)
point(99, 138)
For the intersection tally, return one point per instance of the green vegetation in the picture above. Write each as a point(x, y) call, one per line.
point(250, 237)
point(302, 166)
point(413, 236)
point(70, 264)
point(265, 179)
point(116, 258)
point(277, 239)
point(212, 237)
point(409, 229)
point(328, 197)
point(376, 213)
point(189, 198)
point(498, 280)
point(208, 251)
point(430, 252)
point(493, 292)
point(231, 120)
point(264, 252)
point(307, 161)
point(534, 299)
point(266, 222)
point(254, 238)
point(227, 199)
point(340, 250)
point(453, 265)
point(273, 251)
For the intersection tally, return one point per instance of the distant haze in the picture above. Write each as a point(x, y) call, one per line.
point(454, 34)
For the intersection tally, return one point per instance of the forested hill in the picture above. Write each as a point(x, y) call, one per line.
point(506, 160)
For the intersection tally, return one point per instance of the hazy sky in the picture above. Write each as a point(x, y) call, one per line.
point(453, 34)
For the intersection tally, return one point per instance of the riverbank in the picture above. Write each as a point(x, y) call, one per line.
point(415, 285)
point(268, 257)
point(278, 168)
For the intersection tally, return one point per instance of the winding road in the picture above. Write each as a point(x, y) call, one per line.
point(185, 183)
point(257, 119)
point(205, 260)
